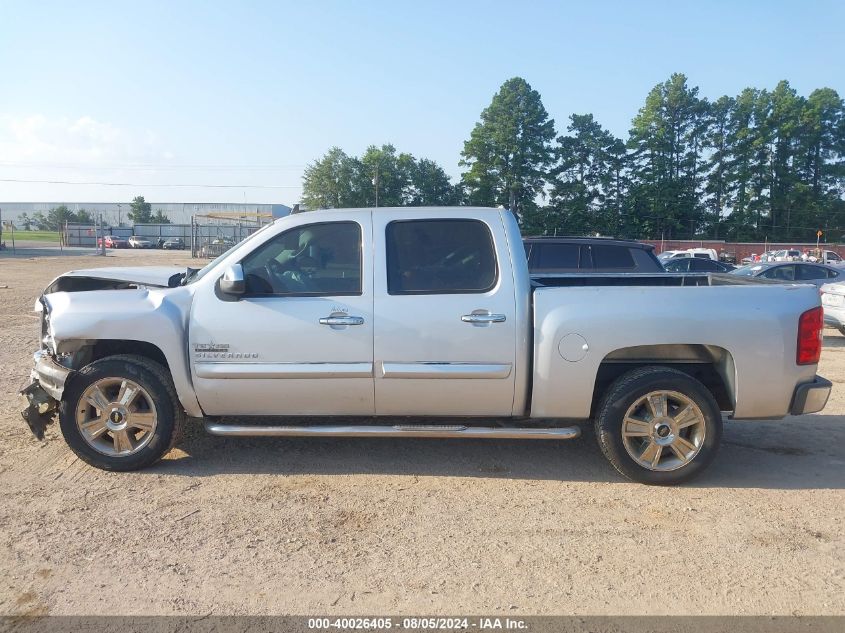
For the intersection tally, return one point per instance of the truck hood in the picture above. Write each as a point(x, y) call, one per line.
point(115, 278)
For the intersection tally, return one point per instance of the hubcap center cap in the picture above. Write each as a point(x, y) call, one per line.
point(663, 432)
point(117, 418)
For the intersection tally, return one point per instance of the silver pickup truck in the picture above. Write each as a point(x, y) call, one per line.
point(417, 322)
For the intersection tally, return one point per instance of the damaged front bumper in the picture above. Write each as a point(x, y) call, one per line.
point(44, 391)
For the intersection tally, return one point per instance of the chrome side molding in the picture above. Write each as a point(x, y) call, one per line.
point(427, 430)
point(445, 370)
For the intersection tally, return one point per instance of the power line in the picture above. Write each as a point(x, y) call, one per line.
point(151, 167)
point(133, 184)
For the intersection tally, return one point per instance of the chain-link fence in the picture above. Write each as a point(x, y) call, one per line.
point(212, 235)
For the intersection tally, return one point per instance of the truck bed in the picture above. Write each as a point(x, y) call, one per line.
point(568, 280)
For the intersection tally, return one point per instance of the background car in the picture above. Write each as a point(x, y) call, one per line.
point(833, 304)
point(696, 265)
point(793, 272)
point(173, 243)
point(704, 253)
point(823, 256)
point(550, 255)
point(136, 241)
point(216, 247)
point(787, 255)
point(112, 242)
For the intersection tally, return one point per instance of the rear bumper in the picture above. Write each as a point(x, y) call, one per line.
point(811, 397)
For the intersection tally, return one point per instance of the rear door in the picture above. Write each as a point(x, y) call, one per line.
point(445, 326)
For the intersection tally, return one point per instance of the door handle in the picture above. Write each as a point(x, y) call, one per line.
point(342, 320)
point(483, 318)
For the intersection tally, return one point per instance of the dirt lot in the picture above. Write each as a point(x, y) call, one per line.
point(415, 526)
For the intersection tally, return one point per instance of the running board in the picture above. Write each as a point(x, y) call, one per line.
point(434, 431)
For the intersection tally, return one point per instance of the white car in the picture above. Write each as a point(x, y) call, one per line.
point(827, 257)
point(833, 303)
point(787, 255)
point(703, 253)
point(139, 242)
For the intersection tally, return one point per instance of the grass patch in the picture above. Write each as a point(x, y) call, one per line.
point(34, 236)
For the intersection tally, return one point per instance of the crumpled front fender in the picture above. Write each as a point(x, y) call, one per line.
point(157, 316)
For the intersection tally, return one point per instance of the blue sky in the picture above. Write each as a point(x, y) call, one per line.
point(248, 93)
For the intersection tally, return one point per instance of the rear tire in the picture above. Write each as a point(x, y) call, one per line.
point(658, 426)
point(121, 413)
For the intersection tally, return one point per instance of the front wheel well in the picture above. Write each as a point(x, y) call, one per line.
point(113, 347)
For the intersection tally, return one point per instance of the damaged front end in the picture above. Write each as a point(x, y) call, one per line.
point(46, 380)
point(43, 393)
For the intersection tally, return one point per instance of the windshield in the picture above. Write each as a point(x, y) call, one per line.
point(193, 274)
point(748, 271)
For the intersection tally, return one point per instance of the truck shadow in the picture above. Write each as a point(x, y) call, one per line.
point(806, 452)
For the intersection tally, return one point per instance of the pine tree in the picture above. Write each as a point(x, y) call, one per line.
point(587, 180)
point(509, 150)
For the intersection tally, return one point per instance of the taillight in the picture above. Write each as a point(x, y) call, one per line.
point(810, 337)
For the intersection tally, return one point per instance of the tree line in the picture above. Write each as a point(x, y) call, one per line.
point(140, 212)
point(764, 164)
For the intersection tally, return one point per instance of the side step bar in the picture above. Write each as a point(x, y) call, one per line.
point(434, 431)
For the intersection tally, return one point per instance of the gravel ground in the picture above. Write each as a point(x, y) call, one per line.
point(364, 526)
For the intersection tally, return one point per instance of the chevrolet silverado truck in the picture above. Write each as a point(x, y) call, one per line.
point(417, 323)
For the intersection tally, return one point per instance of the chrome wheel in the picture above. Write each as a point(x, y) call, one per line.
point(663, 430)
point(116, 417)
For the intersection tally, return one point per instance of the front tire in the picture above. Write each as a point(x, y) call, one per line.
point(659, 426)
point(121, 413)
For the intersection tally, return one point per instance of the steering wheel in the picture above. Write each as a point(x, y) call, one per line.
point(275, 270)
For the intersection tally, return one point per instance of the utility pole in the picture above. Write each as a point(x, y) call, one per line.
point(375, 183)
point(101, 231)
point(118, 215)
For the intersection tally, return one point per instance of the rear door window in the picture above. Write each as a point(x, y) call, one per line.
point(809, 273)
point(556, 258)
point(679, 265)
point(612, 258)
point(782, 273)
point(440, 257)
point(704, 266)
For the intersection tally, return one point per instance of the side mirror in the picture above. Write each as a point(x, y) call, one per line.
point(232, 282)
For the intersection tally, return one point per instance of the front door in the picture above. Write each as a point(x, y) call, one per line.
point(445, 330)
point(300, 341)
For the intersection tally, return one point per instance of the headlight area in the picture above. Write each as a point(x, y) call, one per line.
point(45, 339)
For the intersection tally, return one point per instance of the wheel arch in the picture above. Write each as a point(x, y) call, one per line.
point(711, 365)
point(87, 351)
